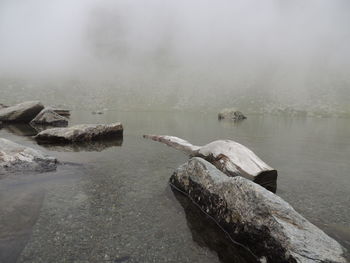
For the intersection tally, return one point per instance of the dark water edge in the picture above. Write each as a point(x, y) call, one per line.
point(112, 203)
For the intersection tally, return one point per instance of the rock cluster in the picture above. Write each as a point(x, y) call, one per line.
point(33, 112)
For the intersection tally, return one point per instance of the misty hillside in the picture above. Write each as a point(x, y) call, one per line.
point(269, 56)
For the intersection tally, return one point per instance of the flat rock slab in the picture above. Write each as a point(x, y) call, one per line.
point(254, 216)
point(80, 133)
point(49, 117)
point(16, 158)
point(23, 112)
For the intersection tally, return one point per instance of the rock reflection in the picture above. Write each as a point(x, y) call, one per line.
point(92, 146)
point(43, 127)
point(21, 129)
point(206, 233)
point(19, 212)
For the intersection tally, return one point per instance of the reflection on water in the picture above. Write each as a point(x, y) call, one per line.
point(19, 211)
point(116, 205)
point(206, 233)
point(21, 129)
point(93, 146)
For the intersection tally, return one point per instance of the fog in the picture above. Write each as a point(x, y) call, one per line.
point(183, 54)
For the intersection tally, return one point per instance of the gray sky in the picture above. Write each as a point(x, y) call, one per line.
point(279, 46)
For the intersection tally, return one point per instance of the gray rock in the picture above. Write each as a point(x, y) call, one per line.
point(231, 114)
point(23, 112)
point(255, 217)
point(49, 117)
point(18, 158)
point(3, 106)
point(80, 133)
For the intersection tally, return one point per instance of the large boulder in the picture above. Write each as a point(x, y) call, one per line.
point(254, 216)
point(23, 112)
point(80, 133)
point(231, 114)
point(21, 159)
point(49, 117)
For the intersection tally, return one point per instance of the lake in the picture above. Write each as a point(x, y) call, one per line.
point(111, 202)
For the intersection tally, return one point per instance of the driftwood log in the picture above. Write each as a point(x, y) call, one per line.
point(230, 157)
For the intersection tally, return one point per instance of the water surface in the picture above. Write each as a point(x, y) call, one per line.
point(111, 202)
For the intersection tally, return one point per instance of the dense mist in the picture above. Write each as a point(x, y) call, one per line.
point(185, 54)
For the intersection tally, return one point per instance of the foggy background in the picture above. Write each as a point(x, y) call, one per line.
point(274, 56)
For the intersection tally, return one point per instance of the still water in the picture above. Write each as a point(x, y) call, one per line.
point(111, 202)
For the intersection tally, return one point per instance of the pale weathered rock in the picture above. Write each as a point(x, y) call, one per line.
point(231, 114)
point(23, 112)
point(80, 133)
point(255, 217)
point(49, 117)
point(230, 157)
point(22, 159)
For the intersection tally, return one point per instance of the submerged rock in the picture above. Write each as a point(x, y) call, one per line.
point(80, 133)
point(18, 158)
point(49, 117)
point(231, 114)
point(232, 158)
point(255, 217)
point(23, 112)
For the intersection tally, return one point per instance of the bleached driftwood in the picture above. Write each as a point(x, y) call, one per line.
point(232, 158)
